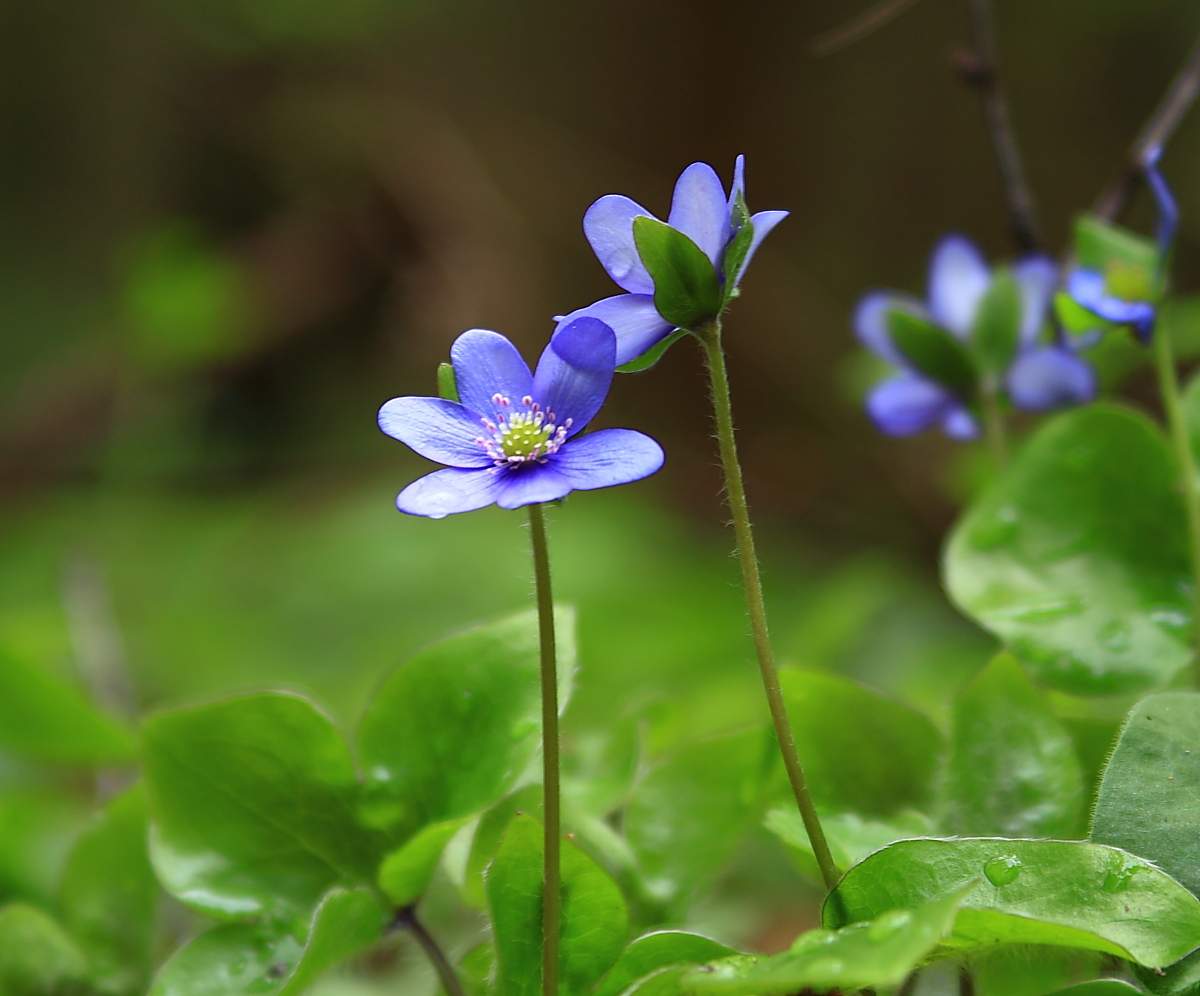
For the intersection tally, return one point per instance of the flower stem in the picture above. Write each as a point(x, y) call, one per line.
point(551, 889)
point(407, 919)
point(735, 494)
point(993, 427)
point(1168, 386)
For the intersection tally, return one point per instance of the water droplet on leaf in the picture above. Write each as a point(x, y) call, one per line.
point(1003, 869)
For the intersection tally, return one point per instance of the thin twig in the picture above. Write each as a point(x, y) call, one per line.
point(857, 28)
point(1181, 94)
point(406, 919)
point(981, 70)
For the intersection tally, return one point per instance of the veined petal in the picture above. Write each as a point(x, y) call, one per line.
point(633, 319)
point(1050, 377)
point(698, 209)
point(575, 371)
point(485, 364)
point(608, 226)
point(870, 321)
point(1088, 289)
point(437, 429)
point(764, 222)
point(1037, 277)
point(446, 492)
point(608, 457)
point(958, 278)
point(531, 484)
point(904, 405)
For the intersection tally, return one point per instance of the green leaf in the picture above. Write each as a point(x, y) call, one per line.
point(689, 812)
point(475, 970)
point(109, 897)
point(1181, 979)
point(489, 835)
point(651, 356)
point(880, 953)
point(451, 731)
point(996, 332)
point(1150, 792)
point(1064, 893)
point(594, 920)
point(1074, 317)
point(862, 751)
point(447, 383)
point(933, 352)
point(405, 873)
point(47, 718)
point(1099, 243)
point(37, 957)
point(1077, 557)
point(1013, 771)
point(737, 247)
point(1030, 970)
point(252, 801)
point(1099, 987)
point(244, 958)
point(686, 291)
point(851, 837)
point(653, 952)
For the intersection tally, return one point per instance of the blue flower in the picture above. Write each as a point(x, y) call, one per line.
point(515, 438)
point(1041, 376)
point(702, 211)
point(1126, 295)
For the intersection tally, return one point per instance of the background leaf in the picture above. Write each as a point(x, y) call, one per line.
point(851, 837)
point(997, 328)
point(653, 952)
point(686, 291)
point(1013, 770)
point(1069, 893)
point(1077, 555)
point(933, 352)
point(37, 957)
point(405, 873)
point(252, 801)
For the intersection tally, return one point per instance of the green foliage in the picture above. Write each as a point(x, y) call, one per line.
point(881, 952)
point(934, 352)
point(995, 335)
point(738, 246)
point(851, 837)
point(253, 806)
point(479, 688)
point(1013, 771)
point(686, 291)
point(37, 957)
point(1099, 244)
point(651, 953)
point(405, 873)
point(1077, 556)
point(1068, 893)
point(447, 382)
point(1150, 792)
point(649, 359)
point(594, 920)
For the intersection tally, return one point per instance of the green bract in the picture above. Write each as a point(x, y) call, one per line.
point(686, 291)
point(996, 333)
point(933, 352)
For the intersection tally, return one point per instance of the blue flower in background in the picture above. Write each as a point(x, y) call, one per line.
point(1127, 295)
point(1041, 376)
point(702, 211)
point(514, 438)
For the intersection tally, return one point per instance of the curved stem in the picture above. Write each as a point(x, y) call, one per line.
point(407, 918)
point(551, 888)
point(735, 496)
point(1168, 386)
point(993, 427)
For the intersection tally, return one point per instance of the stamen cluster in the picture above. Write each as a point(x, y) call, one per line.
point(524, 436)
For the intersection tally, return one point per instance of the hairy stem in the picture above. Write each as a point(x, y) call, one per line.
point(407, 919)
point(1180, 95)
point(1168, 386)
point(735, 495)
point(551, 888)
point(983, 72)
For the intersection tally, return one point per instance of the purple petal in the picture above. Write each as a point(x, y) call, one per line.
point(608, 226)
point(530, 484)
point(739, 182)
point(1087, 287)
point(437, 429)
point(958, 278)
point(907, 404)
point(637, 325)
point(870, 322)
point(1037, 278)
point(698, 209)
point(575, 371)
point(1050, 377)
point(763, 223)
point(486, 363)
point(445, 492)
point(608, 457)
point(959, 423)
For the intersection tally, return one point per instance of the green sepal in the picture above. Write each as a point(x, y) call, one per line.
point(686, 291)
point(996, 331)
point(650, 358)
point(933, 352)
point(447, 383)
point(737, 247)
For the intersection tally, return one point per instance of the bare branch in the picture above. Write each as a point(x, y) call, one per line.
point(859, 27)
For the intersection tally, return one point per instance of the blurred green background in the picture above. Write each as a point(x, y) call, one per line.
point(234, 228)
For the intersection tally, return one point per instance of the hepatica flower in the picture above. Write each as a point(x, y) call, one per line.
point(980, 329)
point(514, 437)
point(716, 224)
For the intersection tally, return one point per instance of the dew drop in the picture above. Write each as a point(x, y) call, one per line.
point(1119, 877)
point(1003, 869)
point(889, 924)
